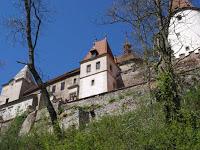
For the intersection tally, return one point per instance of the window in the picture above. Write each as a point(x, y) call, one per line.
point(94, 53)
point(73, 96)
point(187, 48)
point(179, 17)
point(88, 68)
point(62, 86)
point(74, 82)
point(92, 82)
point(98, 65)
point(7, 99)
point(178, 34)
point(110, 67)
point(53, 89)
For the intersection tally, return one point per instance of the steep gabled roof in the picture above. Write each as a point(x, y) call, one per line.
point(24, 73)
point(55, 80)
point(102, 47)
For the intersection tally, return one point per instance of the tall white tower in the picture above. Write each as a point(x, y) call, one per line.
point(184, 30)
point(98, 70)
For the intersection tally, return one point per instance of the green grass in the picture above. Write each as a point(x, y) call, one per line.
point(143, 129)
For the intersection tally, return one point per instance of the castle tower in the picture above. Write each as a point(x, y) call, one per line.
point(127, 46)
point(98, 70)
point(14, 89)
point(184, 30)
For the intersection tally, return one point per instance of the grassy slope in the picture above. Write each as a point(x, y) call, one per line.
point(142, 129)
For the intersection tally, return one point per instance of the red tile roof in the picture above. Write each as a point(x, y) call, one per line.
point(178, 4)
point(52, 81)
point(127, 57)
point(102, 47)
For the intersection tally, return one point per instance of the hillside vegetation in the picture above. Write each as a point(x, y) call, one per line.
point(143, 129)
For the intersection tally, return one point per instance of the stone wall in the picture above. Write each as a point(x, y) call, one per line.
point(112, 103)
point(80, 113)
point(132, 72)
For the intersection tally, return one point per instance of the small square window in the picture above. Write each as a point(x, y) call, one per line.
point(73, 96)
point(88, 68)
point(178, 34)
point(92, 82)
point(179, 17)
point(75, 80)
point(187, 48)
point(53, 89)
point(111, 68)
point(62, 86)
point(98, 65)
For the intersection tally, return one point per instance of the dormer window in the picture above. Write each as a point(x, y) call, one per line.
point(94, 53)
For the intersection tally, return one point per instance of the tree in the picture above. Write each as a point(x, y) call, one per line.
point(150, 21)
point(28, 28)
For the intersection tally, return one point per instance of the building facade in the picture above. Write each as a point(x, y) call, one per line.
point(184, 30)
point(99, 72)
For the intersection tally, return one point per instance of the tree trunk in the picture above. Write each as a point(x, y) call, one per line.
point(31, 65)
point(171, 107)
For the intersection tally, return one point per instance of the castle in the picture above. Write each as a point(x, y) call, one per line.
point(99, 71)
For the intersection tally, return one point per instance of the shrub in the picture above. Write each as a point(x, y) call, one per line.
point(145, 128)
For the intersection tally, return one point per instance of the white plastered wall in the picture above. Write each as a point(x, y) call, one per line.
point(185, 33)
point(11, 91)
point(98, 75)
point(64, 94)
point(100, 85)
point(83, 67)
point(12, 111)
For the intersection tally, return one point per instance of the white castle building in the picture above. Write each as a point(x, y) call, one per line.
point(184, 30)
point(99, 71)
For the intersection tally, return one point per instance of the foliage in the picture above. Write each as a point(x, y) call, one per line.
point(10, 137)
point(112, 100)
point(144, 128)
point(167, 94)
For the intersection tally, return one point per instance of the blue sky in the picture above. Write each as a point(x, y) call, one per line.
point(64, 41)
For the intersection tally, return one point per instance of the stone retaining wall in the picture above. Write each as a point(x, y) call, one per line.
point(113, 103)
